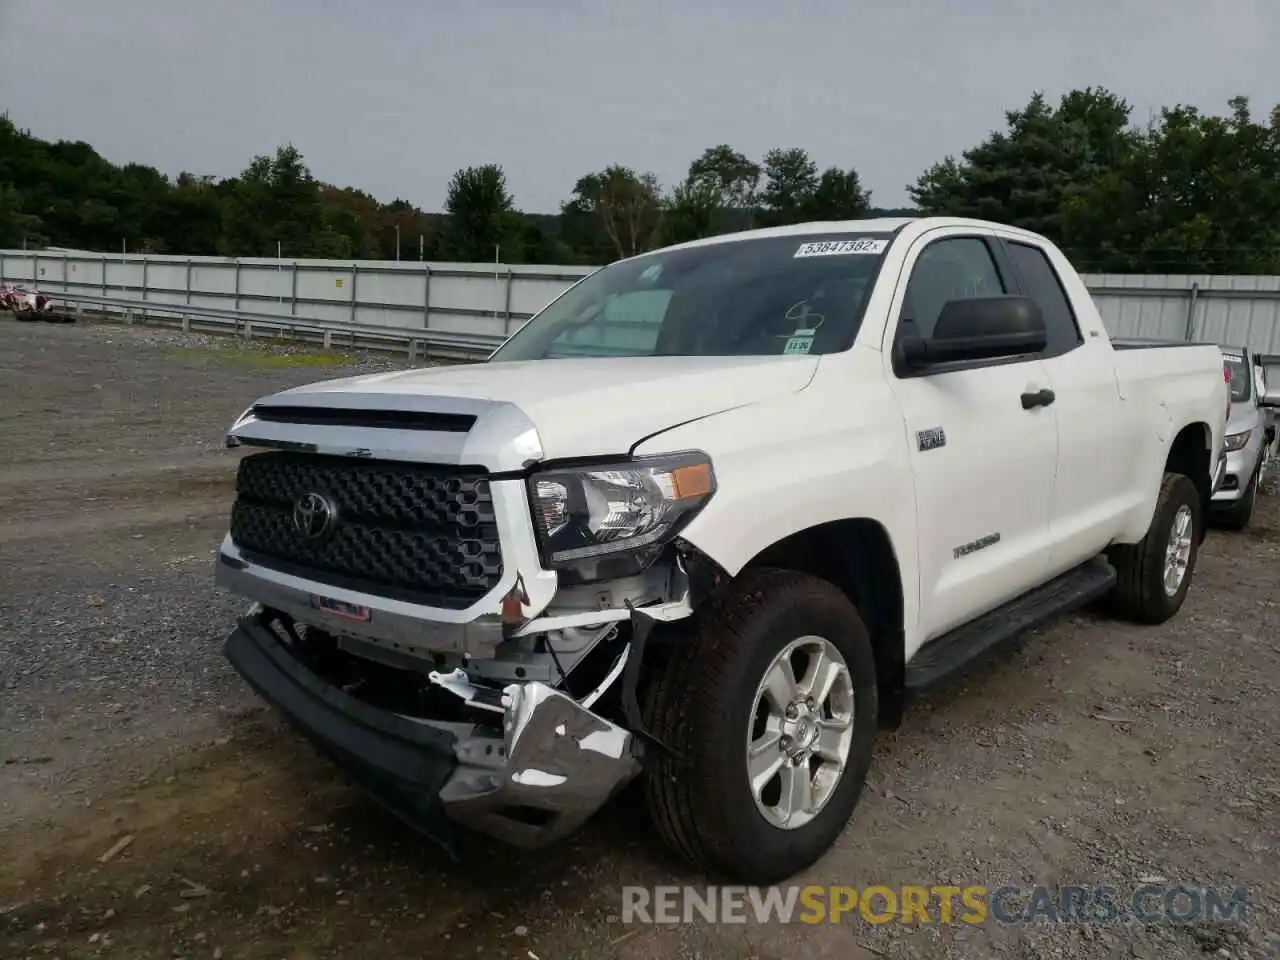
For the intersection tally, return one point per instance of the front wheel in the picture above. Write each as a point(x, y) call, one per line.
point(771, 703)
point(1155, 573)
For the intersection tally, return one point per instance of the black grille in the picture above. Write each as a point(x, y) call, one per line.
point(405, 531)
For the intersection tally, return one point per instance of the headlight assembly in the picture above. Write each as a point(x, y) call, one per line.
point(613, 519)
point(1236, 441)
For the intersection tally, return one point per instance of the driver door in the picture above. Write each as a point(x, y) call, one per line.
point(983, 465)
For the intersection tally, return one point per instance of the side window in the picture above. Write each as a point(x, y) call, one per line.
point(954, 269)
point(629, 325)
point(1045, 288)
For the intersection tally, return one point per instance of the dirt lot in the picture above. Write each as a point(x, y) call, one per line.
point(1093, 753)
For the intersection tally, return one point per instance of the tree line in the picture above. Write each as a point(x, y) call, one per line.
point(1186, 192)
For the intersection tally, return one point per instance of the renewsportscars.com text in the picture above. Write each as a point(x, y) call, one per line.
point(1149, 903)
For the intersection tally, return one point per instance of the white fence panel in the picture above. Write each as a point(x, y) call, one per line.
point(494, 299)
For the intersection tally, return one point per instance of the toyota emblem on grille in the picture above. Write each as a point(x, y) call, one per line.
point(314, 516)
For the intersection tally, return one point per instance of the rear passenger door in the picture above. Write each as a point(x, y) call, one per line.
point(1091, 489)
point(982, 464)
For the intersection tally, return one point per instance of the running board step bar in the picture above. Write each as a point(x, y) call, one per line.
point(951, 652)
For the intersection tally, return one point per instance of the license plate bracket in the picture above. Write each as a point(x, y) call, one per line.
point(338, 608)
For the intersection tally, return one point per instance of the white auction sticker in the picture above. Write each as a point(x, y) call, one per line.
point(842, 248)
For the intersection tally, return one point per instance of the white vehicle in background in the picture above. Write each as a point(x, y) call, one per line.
point(1250, 435)
point(707, 519)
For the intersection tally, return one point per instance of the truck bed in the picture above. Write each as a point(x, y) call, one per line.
point(1182, 384)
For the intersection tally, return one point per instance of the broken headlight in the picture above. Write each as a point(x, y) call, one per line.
point(612, 520)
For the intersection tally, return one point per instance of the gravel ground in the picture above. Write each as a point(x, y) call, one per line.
point(1093, 753)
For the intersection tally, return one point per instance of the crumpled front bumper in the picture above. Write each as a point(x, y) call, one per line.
point(551, 767)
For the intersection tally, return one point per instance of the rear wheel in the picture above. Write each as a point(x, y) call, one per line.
point(1155, 572)
point(772, 704)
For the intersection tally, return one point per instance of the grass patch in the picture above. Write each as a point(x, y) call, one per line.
point(259, 358)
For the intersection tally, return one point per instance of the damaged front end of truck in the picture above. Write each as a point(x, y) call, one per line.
point(459, 623)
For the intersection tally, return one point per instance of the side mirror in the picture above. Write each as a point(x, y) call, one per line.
point(1269, 395)
point(982, 328)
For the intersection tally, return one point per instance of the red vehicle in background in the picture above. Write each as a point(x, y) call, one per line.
point(27, 305)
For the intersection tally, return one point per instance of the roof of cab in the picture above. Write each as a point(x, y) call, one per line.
point(883, 225)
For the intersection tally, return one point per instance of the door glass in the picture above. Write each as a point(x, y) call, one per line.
point(1045, 288)
point(959, 268)
point(1240, 379)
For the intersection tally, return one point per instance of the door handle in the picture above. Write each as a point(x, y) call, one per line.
point(1038, 398)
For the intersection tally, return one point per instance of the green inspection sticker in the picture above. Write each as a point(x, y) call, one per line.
point(799, 343)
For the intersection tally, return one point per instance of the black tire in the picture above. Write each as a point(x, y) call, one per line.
point(1238, 515)
point(1139, 594)
point(700, 702)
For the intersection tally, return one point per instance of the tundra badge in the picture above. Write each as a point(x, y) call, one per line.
point(931, 439)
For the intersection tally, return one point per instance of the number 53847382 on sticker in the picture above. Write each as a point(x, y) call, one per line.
point(841, 248)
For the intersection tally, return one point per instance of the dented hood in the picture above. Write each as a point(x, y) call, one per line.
point(579, 407)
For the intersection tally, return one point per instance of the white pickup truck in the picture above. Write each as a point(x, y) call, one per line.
point(707, 519)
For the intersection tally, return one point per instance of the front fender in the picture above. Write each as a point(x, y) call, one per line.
point(784, 467)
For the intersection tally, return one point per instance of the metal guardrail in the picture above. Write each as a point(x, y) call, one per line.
point(415, 342)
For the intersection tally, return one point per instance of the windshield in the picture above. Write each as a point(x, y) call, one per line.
point(1241, 378)
point(758, 297)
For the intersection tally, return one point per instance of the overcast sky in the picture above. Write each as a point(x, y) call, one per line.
point(392, 96)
